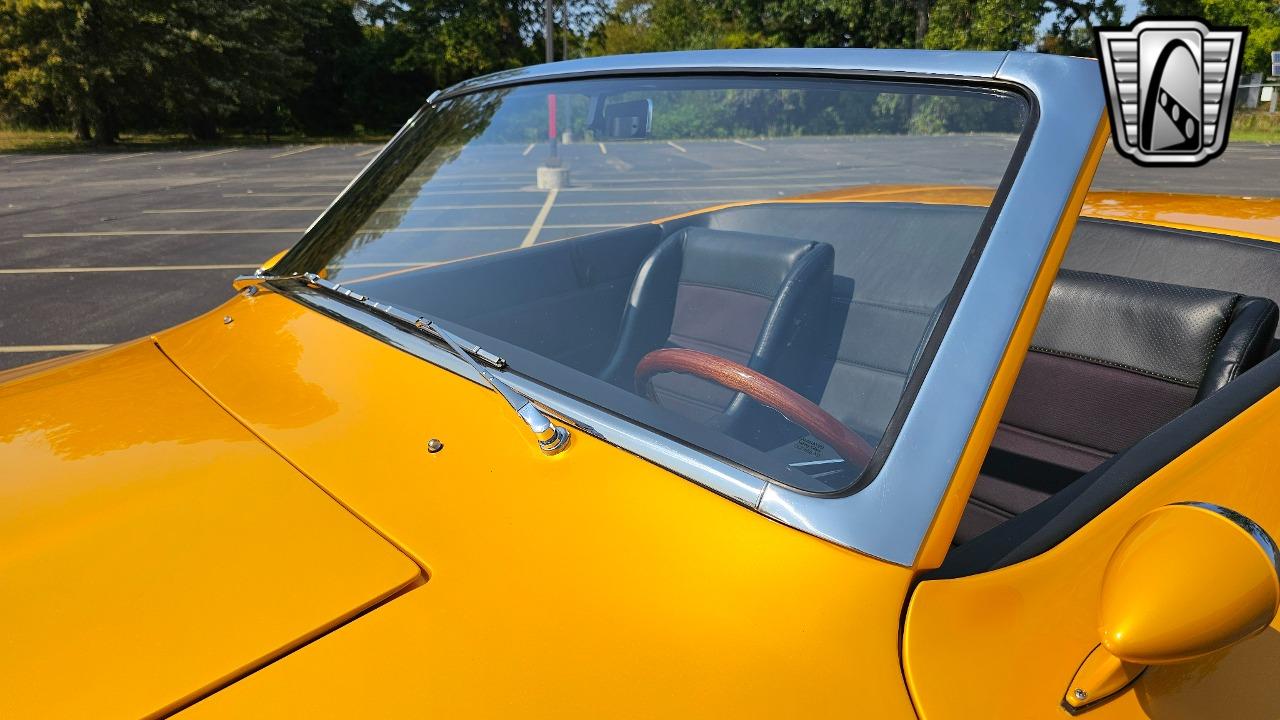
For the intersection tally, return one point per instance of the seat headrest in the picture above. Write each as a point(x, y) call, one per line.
point(743, 261)
point(1192, 336)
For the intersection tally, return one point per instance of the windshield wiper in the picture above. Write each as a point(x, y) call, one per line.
point(551, 438)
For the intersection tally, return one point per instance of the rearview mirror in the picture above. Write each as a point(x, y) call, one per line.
point(628, 120)
point(1187, 580)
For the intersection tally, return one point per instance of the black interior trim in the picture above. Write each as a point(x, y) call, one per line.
point(1044, 526)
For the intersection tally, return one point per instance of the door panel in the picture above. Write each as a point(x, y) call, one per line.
point(1006, 643)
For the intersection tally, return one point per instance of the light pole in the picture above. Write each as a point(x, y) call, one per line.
point(548, 32)
point(550, 175)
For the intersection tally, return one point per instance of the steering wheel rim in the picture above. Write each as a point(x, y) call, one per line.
point(759, 387)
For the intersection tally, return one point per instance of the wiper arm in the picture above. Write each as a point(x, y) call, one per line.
point(551, 438)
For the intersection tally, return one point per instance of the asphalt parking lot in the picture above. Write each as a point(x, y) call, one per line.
point(98, 248)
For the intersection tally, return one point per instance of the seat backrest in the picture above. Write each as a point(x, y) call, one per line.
point(755, 299)
point(1112, 359)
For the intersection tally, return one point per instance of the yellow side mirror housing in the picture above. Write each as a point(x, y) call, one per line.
point(1186, 581)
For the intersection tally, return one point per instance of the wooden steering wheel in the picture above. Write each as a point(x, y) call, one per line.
point(759, 387)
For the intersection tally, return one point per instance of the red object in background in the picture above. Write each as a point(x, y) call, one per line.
point(551, 117)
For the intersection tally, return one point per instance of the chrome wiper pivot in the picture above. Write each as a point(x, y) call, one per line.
point(551, 438)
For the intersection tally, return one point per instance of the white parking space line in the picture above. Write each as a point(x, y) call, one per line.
point(215, 153)
point(370, 151)
point(122, 268)
point(125, 156)
point(48, 348)
point(287, 153)
point(753, 146)
point(505, 206)
point(250, 193)
point(681, 149)
point(163, 268)
point(42, 158)
point(185, 211)
point(528, 149)
point(532, 236)
point(299, 231)
point(603, 150)
point(140, 233)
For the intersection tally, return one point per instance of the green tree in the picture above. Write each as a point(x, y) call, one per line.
point(982, 24)
point(95, 64)
point(78, 61)
point(452, 40)
point(1012, 24)
point(1262, 17)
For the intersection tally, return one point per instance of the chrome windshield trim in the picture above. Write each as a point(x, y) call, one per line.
point(890, 517)
point(791, 60)
point(719, 476)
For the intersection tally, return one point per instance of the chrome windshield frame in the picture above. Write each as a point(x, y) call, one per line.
point(888, 518)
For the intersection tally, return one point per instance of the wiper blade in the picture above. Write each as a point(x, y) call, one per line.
point(551, 438)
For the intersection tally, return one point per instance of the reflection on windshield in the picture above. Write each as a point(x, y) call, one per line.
point(807, 231)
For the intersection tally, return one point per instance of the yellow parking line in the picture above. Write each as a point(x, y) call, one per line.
point(183, 211)
point(677, 147)
point(122, 268)
point(48, 348)
point(125, 156)
point(139, 233)
point(309, 148)
point(162, 268)
point(532, 236)
point(215, 153)
point(753, 146)
point(603, 151)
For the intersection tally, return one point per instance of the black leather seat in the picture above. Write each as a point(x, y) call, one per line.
point(756, 299)
point(1112, 359)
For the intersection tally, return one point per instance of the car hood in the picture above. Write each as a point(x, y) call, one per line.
point(583, 584)
point(152, 549)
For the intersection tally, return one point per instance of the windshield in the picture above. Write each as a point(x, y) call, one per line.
point(749, 265)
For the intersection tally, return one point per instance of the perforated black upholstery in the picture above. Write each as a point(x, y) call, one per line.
point(1113, 359)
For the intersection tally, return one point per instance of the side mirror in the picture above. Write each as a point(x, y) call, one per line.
point(1186, 581)
point(630, 120)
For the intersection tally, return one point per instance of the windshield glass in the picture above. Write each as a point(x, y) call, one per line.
point(749, 265)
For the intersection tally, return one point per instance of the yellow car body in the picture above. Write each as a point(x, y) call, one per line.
point(239, 517)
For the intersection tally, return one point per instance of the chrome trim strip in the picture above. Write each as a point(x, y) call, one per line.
point(1259, 535)
point(889, 518)
point(726, 479)
point(792, 60)
point(414, 120)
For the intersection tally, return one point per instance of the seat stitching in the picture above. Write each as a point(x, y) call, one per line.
point(887, 371)
point(719, 346)
point(1060, 442)
point(1258, 324)
point(1120, 366)
point(713, 286)
point(1217, 337)
point(913, 309)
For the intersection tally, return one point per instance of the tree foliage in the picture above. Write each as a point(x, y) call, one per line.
point(330, 66)
point(1262, 17)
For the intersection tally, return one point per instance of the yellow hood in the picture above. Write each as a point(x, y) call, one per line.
point(152, 550)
